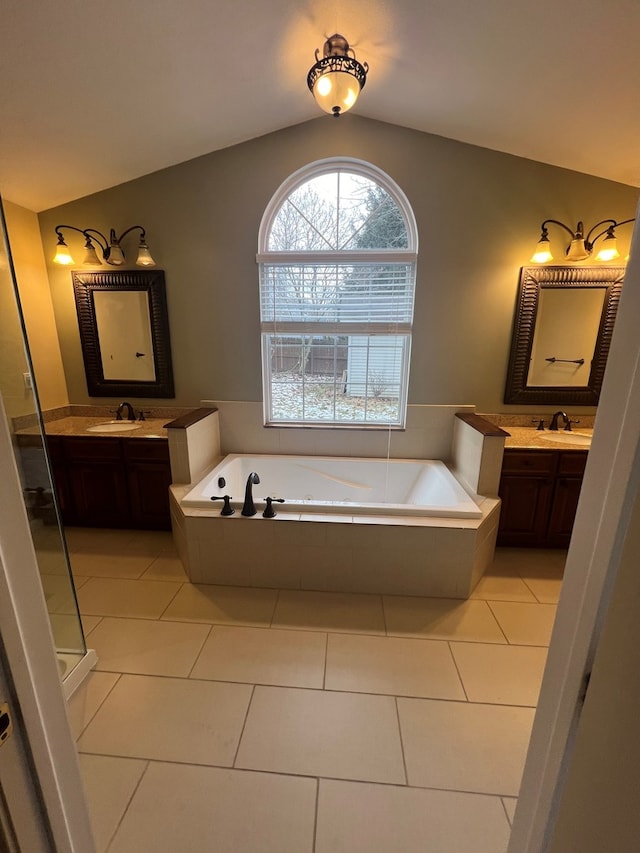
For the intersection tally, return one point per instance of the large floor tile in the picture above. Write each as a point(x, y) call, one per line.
point(329, 611)
point(503, 675)
point(263, 656)
point(169, 719)
point(180, 809)
point(502, 585)
point(317, 733)
point(441, 619)
point(120, 597)
point(223, 605)
point(106, 540)
point(147, 647)
point(544, 581)
point(112, 565)
point(393, 665)
point(354, 817)
point(87, 698)
point(464, 747)
point(166, 567)
point(109, 784)
point(525, 624)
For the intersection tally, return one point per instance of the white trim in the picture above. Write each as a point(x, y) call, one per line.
point(337, 164)
point(611, 485)
point(342, 257)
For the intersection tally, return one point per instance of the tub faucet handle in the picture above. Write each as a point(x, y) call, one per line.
point(567, 426)
point(269, 511)
point(540, 423)
point(227, 509)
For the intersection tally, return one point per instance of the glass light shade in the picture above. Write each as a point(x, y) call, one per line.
point(542, 253)
point(577, 250)
point(116, 255)
point(144, 256)
point(608, 250)
point(336, 92)
point(63, 255)
point(91, 258)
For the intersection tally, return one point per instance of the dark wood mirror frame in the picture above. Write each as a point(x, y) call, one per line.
point(85, 284)
point(532, 279)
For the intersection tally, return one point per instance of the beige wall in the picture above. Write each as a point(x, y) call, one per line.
point(37, 307)
point(478, 214)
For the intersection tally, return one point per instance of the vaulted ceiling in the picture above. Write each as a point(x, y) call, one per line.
point(95, 94)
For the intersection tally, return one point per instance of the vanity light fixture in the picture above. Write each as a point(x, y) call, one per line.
point(110, 249)
point(581, 247)
point(336, 80)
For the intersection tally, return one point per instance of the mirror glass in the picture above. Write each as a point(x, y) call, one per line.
point(562, 331)
point(124, 333)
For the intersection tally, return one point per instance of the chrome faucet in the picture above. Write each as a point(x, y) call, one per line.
point(249, 508)
point(554, 420)
point(130, 413)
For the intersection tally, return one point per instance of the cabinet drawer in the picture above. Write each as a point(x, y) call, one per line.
point(529, 461)
point(573, 462)
point(92, 449)
point(143, 449)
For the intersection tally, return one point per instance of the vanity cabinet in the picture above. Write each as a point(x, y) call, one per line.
point(112, 482)
point(539, 491)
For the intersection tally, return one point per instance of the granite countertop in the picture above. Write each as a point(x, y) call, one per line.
point(74, 425)
point(531, 438)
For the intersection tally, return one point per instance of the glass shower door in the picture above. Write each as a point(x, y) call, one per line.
point(19, 397)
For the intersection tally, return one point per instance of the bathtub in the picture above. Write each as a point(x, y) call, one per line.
point(327, 485)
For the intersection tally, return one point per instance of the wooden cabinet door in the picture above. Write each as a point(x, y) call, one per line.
point(98, 494)
point(149, 491)
point(563, 511)
point(525, 509)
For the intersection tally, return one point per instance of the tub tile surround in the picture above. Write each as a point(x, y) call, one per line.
point(333, 722)
point(441, 556)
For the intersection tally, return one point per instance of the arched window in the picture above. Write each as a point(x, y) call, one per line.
point(337, 253)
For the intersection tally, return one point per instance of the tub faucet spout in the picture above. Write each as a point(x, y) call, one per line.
point(249, 508)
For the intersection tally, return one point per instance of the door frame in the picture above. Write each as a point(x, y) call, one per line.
point(610, 488)
point(38, 708)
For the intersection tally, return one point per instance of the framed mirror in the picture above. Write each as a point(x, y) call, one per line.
point(124, 333)
point(561, 335)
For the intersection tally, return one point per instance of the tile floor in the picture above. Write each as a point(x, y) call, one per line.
point(257, 720)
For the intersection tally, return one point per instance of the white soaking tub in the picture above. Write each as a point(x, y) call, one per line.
point(345, 486)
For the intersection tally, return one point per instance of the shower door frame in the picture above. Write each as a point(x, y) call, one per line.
point(40, 756)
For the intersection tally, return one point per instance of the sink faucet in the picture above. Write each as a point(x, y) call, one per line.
point(249, 508)
point(130, 413)
point(554, 420)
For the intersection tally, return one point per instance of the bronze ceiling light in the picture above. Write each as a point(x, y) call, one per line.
point(336, 80)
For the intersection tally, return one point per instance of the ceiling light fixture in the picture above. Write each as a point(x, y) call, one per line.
point(581, 247)
point(110, 249)
point(336, 80)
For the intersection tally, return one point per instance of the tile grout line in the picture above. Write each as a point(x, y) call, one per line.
point(127, 806)
point(326, 661)
point(199, 653)
point(497, 621)
point(91, 719)
point(244, 723)
point(275, 607)
point(504, 806)
point(455, 663)
point(404, 758)
point(170, 602)
point(315, 816)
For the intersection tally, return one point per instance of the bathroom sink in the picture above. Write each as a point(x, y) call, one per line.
point(568, 438)
point(114, 426)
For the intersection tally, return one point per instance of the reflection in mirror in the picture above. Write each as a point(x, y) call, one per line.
point(564, 340)
point(562, 332)
point(124, 332)
point(124, 335)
